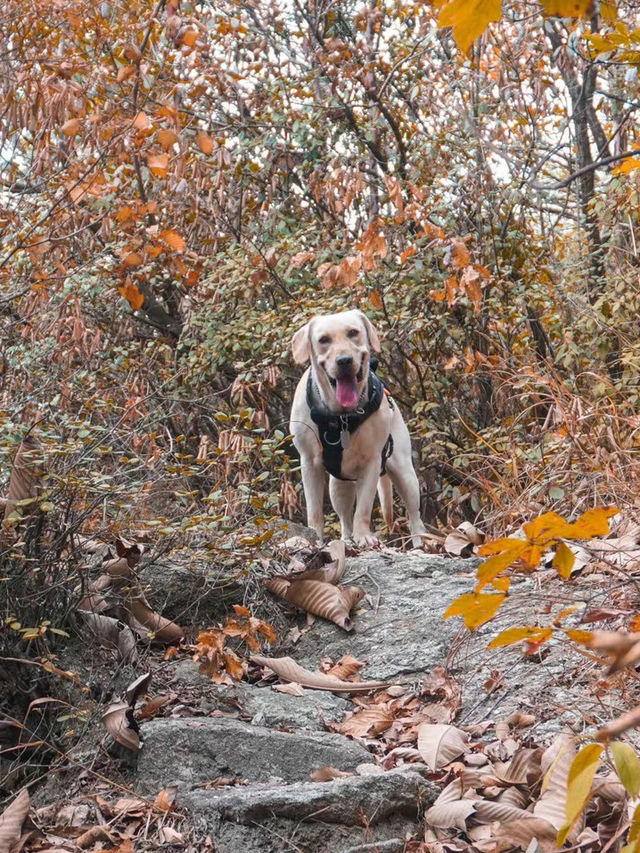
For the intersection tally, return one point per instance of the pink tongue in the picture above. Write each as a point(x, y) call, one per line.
point(347, 393)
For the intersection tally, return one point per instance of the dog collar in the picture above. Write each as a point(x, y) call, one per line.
point(333, 428)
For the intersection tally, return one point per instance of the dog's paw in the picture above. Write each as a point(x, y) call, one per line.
point(366, 539)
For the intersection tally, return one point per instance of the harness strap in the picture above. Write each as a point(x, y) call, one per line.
point(332, 427)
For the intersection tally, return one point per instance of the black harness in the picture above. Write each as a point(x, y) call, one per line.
point(333, 428)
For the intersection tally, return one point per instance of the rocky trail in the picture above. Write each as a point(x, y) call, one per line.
point(242, 760)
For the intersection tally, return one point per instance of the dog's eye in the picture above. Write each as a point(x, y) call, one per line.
point(325, 339)
point(353, 333)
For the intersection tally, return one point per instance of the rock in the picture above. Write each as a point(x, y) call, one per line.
point(346, 801)
point(193, 751)
point(189, 592)
point(402, 635)
point(262, 705)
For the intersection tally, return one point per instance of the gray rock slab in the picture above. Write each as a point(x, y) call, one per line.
point(348, 801)
point(399, 631)
point(262, 705)
point(191, 751)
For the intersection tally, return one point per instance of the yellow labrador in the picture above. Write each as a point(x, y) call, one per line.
point(343, 421)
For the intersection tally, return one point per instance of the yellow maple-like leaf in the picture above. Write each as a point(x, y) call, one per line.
point(514, 635)
point(593, 522)
point(469, 19)
point(475, 609)
point(546, 527)
point(567, 8)
point(628, 165)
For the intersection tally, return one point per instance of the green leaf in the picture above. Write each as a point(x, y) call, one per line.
point(627, 766)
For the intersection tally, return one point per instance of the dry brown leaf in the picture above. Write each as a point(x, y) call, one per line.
point(368, 722)
point(287, 669)
point(137, 688)
point(524, 765)
point(92, 835)
point(130, 806)
point(555, 763)
point(345, 668)
point(450, 809)
point(440, 744)
point(157, 627)
point(463, 539)
point(521, 832)
point(111, 633)
point(119, 721)
point(319, 598)
point(328, 774)
point(292, 688)
point(520, 720)
point(166, 798)
point(11, 821)
point(170, 835)
point(25, 482)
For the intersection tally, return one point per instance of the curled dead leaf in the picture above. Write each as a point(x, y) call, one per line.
point(328, 774)
point(156, 627)
point(463, 539)
point(112, 633)
point(119, 721)
point(26, 480)
point(319, 598)
point(11, 821)
point(287, 669)
point(440, 744)
point(450, 810)
point(137, 688)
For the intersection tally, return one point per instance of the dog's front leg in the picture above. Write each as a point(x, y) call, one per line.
point(343, 497)
point(365, 495)
point(313, 484)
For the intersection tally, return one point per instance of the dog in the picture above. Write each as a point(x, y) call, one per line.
point(344, 421)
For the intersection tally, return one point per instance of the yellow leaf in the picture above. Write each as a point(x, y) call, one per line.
point(204, 142)
point(501, 584)
point(547, 526)
point(173, 239)
point(71, 127)
point(514, 635)
point(567, 8)
point(563, 560)
point(593, 522)
point(628, 165)
point(475, 609)
point(469, 19)
point(583, 769)
point(608, 11)
point(578, 636)
point(634, 834)
point(158, 164)
point(166, 138)
point(627, 764)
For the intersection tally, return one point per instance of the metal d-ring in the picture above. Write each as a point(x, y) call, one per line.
point(331, 443)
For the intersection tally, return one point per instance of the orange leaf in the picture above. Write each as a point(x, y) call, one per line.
point(132, 259)
point(593, 522)
point(567, 8)
point(124, 72)
point(173, 239)
point(204, 142)
point(475, 609)
point(132, 295)
point(167, 138)
point(469, 19)
point(460, 256)
point(71, 127)
point(189, 37)
point(141, 121)
point(581, 637)
point(514, 635)
point(158, 164)
point(546, 527)
point(376, 300)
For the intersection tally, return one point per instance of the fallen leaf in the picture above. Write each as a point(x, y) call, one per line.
point(287, 669)
point(440, 744)
point(328, 774)
point(555, 763)
point(463, 539)
point(119, 721)
point(112, 633)
point(450, 809)
point(11, 821)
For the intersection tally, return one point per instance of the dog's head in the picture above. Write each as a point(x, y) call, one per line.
point(338, 346)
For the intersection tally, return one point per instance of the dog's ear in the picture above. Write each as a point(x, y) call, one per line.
point(372, 334)
point(301, 344)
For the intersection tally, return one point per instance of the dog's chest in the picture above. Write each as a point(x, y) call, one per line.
point(362, 447)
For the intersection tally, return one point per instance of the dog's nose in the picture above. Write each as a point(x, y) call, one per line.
point(344, 360)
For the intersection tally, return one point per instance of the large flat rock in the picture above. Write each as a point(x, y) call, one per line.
point(399, 630)
point(194, 751)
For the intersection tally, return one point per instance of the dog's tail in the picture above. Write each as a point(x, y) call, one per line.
point(385, 493)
